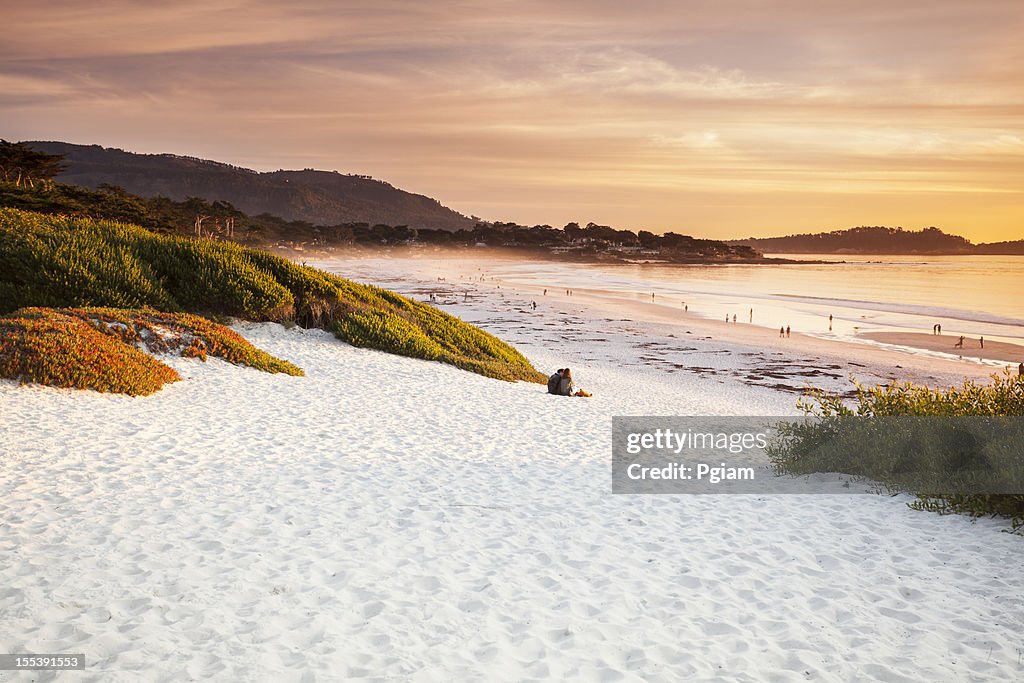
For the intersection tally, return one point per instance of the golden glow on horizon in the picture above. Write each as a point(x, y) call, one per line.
point(718, 119)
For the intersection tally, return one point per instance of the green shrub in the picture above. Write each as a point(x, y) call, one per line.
point(62, 261)
point(70, 200)
point(909, 458)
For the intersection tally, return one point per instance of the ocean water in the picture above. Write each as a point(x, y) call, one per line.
point(969, 295)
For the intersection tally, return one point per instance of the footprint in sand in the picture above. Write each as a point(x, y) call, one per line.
point(719, 628)
point(372, 609)
point(472, 606)
point(380, 641)
point(900, 615)
point(131, 608)
point(486, 653)
point(429, 584)
point(690, 582)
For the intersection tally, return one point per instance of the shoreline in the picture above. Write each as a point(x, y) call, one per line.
point(946, 343)
point(650, 333)
point(458, 275)
point(798, 342)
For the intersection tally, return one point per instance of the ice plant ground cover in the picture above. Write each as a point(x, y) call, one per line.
point(43, 346)
point(103, 348)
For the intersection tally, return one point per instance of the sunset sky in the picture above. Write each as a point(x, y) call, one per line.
point(719, 119)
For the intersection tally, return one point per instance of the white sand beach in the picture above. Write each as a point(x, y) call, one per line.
point(385, 518)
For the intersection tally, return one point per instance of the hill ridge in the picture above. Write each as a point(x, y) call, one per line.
point(310, 195)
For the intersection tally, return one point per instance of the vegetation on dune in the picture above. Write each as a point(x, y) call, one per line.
point(191, 335)
point(107, 204)
point(63, 351)
point(940, 460)
point(62, 261)
point(101, 348)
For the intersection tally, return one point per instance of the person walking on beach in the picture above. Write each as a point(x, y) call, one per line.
point(940, 328)
point(935, 328)
point(829, 322)
point(751, 315)
point(982, 340)
point(733, 318)
point(787, 331)
point(959, 344)
point(782, 332)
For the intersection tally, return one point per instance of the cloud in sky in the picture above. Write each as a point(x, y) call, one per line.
point(719, 118)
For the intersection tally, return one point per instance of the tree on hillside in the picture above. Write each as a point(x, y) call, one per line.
point(19, 164)
point(648, 239)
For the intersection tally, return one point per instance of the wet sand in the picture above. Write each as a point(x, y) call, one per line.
point(946, 343)
point(768, 338)
point(750, 353)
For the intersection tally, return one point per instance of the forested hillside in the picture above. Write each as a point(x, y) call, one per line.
point(316, 197)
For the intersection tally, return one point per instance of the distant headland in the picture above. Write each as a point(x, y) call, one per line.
point(878, 240)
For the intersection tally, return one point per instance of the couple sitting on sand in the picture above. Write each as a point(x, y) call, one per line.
point(561, 384)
